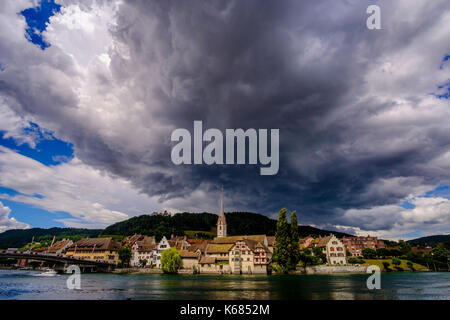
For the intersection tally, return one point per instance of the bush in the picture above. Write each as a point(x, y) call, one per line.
point(410, 265)
point(386, 265)
point(170, 261)
point(354, 260)
point(396, 261)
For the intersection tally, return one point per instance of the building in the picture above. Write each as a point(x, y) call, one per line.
point(271, 243)
point(96, 249)
point(142, 248)
point(59, 247)
point(249, 256)
point(306, 242)
point(160, 247)
point(334, 250)
point(179, 242)
point(355, 245)
point(221, 221)
point(190, 260)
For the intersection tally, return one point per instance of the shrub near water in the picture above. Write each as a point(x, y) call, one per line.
point(170, 261)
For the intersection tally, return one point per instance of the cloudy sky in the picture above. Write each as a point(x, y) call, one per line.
point(91, 90)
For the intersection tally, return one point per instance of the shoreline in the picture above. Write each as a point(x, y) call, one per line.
point(312, 270)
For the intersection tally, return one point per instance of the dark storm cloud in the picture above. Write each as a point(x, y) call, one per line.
point(311, 69)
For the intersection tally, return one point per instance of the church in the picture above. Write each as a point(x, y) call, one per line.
point(234, 254)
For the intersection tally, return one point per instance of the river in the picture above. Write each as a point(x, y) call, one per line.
point(27, 285)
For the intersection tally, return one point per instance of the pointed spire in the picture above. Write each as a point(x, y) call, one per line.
point(221, 203)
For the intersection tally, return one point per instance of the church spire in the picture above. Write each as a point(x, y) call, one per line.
point(221, 204)
point(221, 222)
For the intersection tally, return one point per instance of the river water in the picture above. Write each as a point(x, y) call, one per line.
point(27, 285)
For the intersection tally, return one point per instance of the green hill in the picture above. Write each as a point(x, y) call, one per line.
point(239, 223)
point(19, 238)
point(430, 240)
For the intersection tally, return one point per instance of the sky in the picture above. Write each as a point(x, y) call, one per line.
point(90, 92)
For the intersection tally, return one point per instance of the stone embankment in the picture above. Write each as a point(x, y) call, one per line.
point(332, 269)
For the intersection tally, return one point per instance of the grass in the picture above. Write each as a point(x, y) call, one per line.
point(403, 265)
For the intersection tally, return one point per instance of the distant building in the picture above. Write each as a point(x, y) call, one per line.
point(334, 250)
point(96, 249)
point(355, 245)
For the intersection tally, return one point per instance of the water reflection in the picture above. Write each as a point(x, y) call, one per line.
point(23, 285)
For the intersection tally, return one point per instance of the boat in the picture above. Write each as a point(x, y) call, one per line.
point(48, 273)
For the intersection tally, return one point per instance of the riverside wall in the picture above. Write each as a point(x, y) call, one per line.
point(323, 269)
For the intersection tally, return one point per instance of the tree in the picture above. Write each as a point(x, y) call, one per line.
point(396, 261)
point(294, 245)
point(125, 254)
point(318, 253)
point(170, 260)
point(382, 253)
point(282, 239)
point(369, 253)
point(439, 253)
point(405, 247)
point(143, 262)
point(410, 265)
point(386, 265)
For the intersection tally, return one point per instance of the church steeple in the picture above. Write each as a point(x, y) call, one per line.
point(221, 222)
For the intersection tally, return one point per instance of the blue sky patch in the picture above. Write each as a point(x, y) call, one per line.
point(49, 150)
point(37, 19)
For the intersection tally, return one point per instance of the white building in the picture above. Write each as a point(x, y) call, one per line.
point(162, 245)
point(334, 250)
point(141, 253)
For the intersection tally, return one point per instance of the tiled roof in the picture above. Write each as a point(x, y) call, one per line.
point(323, 241)
point(253, 244)
point(199, 246)
point(233, 239)
point(189, 254)
point(207, 260)
point(59, 245)
point(100, 244)
point(221, 219)
point(219, 248)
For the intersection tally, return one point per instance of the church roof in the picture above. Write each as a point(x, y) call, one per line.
point(221, 219)
point(233, 239)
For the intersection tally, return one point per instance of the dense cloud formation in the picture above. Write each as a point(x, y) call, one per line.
point(362, 128)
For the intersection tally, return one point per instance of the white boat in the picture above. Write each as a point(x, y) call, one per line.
point(48, 273)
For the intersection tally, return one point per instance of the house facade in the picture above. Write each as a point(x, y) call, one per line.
point(160, 247)
point(334, 250)
point(355, 245)
point(96, 249)
point(142, 252)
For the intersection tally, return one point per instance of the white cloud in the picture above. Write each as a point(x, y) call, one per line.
point(431, 215)
point(92, 197)
point(8, 223)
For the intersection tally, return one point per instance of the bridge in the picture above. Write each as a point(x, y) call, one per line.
point(60, 263)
